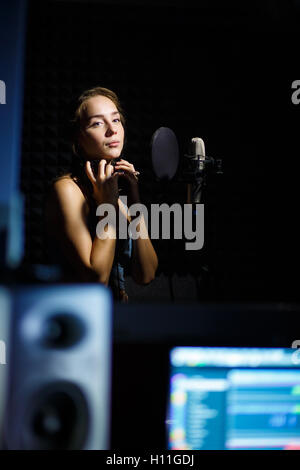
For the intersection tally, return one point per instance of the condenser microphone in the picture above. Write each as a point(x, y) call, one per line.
point(197, 155)
point(198, 151)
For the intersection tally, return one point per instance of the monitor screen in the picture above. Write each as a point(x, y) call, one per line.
point(234, 398)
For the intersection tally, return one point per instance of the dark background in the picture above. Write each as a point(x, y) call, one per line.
point(218, 70)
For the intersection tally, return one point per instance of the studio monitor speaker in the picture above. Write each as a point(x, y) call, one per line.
point(60, 367)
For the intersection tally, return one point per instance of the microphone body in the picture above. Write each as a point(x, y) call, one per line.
point(197, 155)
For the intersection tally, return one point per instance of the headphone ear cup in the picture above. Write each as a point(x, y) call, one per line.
point(95, 165)
point(115, 160)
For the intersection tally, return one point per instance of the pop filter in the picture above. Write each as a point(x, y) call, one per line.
point(165, 153)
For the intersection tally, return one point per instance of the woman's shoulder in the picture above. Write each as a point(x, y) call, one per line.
point(66, 185)
point(64, 180)
point(65, 193)
point(70, 184)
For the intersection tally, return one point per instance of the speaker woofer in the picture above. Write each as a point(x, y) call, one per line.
point(57, 418)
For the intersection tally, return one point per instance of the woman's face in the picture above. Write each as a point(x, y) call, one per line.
point(102, 133)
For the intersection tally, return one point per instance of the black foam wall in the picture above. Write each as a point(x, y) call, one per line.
point(200, 68)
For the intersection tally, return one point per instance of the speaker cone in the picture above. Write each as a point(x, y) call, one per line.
point(57, 418)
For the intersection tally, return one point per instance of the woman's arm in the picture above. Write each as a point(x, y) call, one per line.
point(91, 259)
point(144, 260)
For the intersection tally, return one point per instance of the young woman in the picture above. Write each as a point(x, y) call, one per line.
point(71, 217)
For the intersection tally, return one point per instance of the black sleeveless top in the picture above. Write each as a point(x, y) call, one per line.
point(123, 253)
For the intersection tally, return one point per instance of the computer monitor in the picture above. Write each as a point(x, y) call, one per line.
point(234, 398)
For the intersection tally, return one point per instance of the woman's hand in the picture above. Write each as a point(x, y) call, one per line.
point(128, 171)
point(105, 184)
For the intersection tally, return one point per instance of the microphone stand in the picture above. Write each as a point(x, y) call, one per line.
point(196, 176)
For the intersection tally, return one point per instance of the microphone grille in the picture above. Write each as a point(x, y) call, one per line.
point(197, 147)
